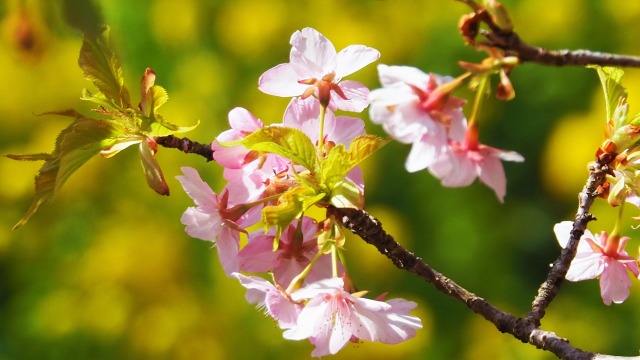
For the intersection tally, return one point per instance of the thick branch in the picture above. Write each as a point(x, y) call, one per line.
point(186, 145)
point(370, 230)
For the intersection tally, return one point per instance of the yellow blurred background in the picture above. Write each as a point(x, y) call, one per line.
point(106, 271)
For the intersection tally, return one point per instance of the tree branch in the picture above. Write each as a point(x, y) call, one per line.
point(549, 289)
point(502, 36)
point(511, 43)
point(525, 329)
point(186, 145)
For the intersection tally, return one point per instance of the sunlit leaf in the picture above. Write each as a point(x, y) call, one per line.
point(287, 142)
point(339, 161)
point(611, 79)
point(290, 206)
point(101, 66)
point(346, 194)
point(81, 140)
point(363, 146)
point(152, 170)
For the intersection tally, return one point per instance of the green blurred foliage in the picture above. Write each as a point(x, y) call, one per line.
point(106, 270)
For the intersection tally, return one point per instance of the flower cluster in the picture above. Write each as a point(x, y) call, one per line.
point(274, 174)
point(417, 108)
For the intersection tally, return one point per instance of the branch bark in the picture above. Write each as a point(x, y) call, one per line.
point(185, 145)
point(525, 329)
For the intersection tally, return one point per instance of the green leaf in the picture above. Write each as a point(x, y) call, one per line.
point(81, 140)
point(291, 205)
point(340, 161)
point(161, 127)
point(611, 79)
point(363, 146)
point(152, 170)
point(101, 66)
point(287, 142)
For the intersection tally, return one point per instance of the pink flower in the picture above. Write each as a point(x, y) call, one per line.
point(332, 317)
point(316, 69)
point(603, 256)
point(295, 252)
point(259, 179)
point(413, 108)
point(461, 164)
point(242, 124)
point(273, 299)
point(210, 219)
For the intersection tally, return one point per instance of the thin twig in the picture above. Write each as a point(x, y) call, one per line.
point(513, 45)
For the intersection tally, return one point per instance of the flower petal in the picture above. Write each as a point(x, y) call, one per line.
point(353, 58)
point(281, 80)
point(318, 53)
point(492, 174)
point(197, 189)
point(585, 266)
point(357, 97)
point(614, 282)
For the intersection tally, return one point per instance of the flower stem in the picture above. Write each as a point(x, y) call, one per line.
point(334, 260)
point(323, 112)
point(473, 128)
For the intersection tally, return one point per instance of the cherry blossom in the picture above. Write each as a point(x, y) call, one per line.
point(600, 256)
point(415, 108)
point(272, 298)
point(295, 251)
point(242, 124)
point(211, 220)
point(315, 68)
point(332, 317)
point(462, 163)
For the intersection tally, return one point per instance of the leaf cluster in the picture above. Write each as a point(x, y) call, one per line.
point(322, 175)
point(114, 126)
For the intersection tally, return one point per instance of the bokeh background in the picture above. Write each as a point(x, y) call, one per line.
point(107, 272)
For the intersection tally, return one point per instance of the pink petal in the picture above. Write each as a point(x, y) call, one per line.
point(454, 169)
point(242, 120)
point(231, 157)
point(282, 309)
point(197, 189)
point(318, 52)
point(357, 97)
point(353, 58)
point(346, 129)
point(258, 254)
point(392, 95)
point(563, 232)
point(390, 75)
point(281, 80)
point(200, 224)
point(227, 245)
point(256, 287)
point(585, 266)
point(614, 282)
point(492, 174)
point(424, 152)
point(303, 114)
point(510, 156)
